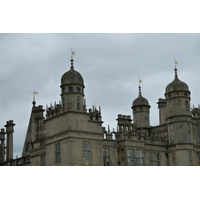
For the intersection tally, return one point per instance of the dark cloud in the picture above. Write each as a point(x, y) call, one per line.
point(109, 63)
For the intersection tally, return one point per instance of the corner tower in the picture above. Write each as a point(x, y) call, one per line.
point(179, 121)
point(72, 90)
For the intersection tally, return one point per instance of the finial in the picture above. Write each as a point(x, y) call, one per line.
point(140, 93)
point(175, 69)
point(34, 93)
point(108, 128)
point(72, 60)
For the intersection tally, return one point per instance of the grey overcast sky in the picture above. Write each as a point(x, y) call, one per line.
point(110, 64)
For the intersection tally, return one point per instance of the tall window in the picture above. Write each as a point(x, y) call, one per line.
point(78, 89)
point(86, 151)
point(190, 158)
point(78, 103)
point(188, 131)
point(57, 153)
point(139, 157)
point(130, 157)
point(106, 157)
point(154, 159)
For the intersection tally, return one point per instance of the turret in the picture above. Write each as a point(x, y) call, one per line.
point(72, 90)
point(141, 109)
point(179, 121)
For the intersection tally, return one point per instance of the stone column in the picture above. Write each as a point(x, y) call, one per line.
point(9, 141)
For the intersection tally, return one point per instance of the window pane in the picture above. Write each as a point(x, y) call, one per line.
point(84, 155)
point(132, 153)
point(84, 145)
point(78, 89)
point(88, 145)
point(141, 153)
point(70, 89)
point(128, 152)
point(88, 155)
point(78, 99)
point(137, 153)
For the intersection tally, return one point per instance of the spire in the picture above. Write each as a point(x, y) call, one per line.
point(72, 64)
point(140, 93)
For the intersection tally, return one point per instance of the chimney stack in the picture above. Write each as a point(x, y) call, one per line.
point(9, 141)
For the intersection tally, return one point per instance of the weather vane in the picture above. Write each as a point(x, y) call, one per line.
point(72, 53)
point(176, 62)
point(34, 93)
point(140, 81)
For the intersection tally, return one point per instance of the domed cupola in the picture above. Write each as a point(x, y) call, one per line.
point(140, 100)
point(176, 85)
point(72, 77)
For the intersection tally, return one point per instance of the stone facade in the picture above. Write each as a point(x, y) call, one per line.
point(71, 135)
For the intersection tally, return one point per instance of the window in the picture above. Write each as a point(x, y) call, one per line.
point(78, 105)
point(188, 131)
point(199, 158)
point(154, 159)
point(139, 157)
point(130, 157)
point(78, 89)
point(70, 89)
point(86, 151)
point(190, 158)
point(57, 153)
point(106, 157)
point(198, 138)
point(43, 160)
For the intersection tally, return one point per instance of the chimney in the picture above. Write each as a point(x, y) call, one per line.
point(9, 141)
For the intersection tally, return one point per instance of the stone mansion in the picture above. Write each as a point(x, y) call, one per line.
point(69, 134)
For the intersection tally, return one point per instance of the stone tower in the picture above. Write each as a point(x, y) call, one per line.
point(141, 109)
point(178, 116)
point(72, 90)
